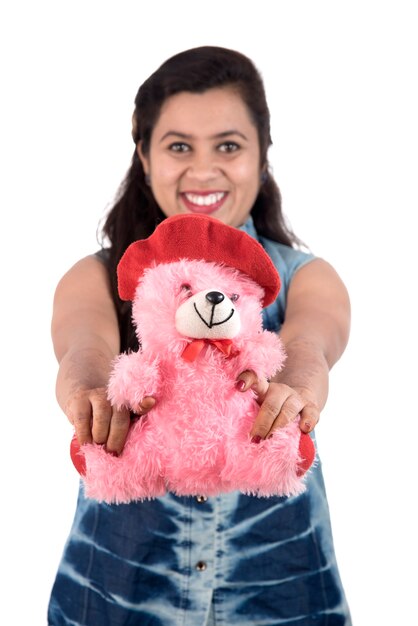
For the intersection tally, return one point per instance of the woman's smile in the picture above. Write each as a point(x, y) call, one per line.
point(203, 202)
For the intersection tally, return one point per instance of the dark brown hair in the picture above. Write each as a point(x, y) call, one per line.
point(135, 212)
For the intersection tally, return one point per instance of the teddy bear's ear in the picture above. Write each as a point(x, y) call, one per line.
point(198, 237)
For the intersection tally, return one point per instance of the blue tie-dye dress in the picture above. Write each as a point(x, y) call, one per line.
point(183, 561)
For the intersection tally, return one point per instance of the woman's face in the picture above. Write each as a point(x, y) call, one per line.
point(204, 156)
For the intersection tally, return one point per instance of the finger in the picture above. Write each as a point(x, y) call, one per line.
point(102, 414)
point(309, 417)
point(249, 380)
point(145, 405)
point(276, 412)
point(261, 388)
point(79, 413)
point(246, 380)
point(289, 412)
point(118, 431)
point(264, 421)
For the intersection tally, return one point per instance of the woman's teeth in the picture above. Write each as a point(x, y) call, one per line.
point(206, 200)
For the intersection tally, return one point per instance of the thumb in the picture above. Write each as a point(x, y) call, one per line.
point(145, 405)
point(249, 380)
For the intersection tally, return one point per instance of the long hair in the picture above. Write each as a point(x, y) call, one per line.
point(135, 213)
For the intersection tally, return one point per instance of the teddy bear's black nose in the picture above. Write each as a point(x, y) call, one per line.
point(215, 297)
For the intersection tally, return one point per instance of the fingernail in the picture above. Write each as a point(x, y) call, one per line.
point(307, 426)
point(112, 452)
point(240, 385)
point(256, 439)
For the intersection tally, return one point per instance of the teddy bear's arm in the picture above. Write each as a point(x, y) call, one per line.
point(264, 354)
point(133, 377)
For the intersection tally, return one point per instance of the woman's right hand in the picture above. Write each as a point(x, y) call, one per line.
point(86, 337)
point(96, 420)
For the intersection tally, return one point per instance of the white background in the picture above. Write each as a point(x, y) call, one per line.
point(341, 79)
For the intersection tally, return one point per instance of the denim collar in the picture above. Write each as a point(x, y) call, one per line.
point(249, 228)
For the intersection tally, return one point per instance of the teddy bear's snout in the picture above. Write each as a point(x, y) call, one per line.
point(208, 314)
point(215, 297)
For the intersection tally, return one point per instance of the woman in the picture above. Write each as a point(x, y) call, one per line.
point(201, 131)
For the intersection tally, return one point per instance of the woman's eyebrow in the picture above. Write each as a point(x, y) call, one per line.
point(227, 133)
point(222, 135)
point(175, 133)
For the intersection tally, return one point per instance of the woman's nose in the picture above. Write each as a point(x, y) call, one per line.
point(203, 166)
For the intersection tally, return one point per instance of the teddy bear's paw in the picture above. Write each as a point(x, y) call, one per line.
point(77, 456)
point(306, 453)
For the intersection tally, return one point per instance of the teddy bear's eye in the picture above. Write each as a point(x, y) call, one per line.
point(186, 289)
point(234, 297)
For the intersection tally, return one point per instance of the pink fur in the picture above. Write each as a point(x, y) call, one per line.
point(196, 438)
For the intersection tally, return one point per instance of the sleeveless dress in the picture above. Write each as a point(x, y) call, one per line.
point(225, 560)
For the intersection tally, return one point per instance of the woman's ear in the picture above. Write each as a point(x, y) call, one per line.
point(144, 160)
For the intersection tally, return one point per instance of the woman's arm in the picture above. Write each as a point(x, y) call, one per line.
point(86, 339)
point(315, 334)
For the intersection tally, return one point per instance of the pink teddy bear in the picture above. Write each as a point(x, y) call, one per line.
point(198, 287)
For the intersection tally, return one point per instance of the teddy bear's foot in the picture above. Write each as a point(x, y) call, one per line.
point(77, 456)
point(105, 479)
point(307, 454)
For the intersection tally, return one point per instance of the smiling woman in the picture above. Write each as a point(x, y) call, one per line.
point(201, 129)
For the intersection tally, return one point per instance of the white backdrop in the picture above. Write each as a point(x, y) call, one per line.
point(341, 79)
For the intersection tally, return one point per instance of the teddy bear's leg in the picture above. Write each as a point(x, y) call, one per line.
point(134, 475)
point(271, 467)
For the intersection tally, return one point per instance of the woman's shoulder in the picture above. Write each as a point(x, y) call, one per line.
point(102, 255)
point(287, 259)
point(85, 275)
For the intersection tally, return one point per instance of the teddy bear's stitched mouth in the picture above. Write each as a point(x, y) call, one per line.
point(211, 322)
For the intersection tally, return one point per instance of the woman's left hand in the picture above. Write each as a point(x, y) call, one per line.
point(279, 405)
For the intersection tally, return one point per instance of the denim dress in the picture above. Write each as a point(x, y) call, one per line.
point(198, 561)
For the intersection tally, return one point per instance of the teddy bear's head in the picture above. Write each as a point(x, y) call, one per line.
point(196, 278)
point(193, 299)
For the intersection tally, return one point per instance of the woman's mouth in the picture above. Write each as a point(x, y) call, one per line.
point(206, 202)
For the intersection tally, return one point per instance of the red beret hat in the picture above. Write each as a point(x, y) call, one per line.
point(198, 237)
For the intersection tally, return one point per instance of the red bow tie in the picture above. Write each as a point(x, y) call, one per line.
point(194, 348)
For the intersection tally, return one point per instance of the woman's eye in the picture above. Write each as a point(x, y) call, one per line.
point(229, 146)
point(234, 297)
point(179, 146)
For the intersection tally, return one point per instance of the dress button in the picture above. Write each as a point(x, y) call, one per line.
point(201, 499)
point(201, 566)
